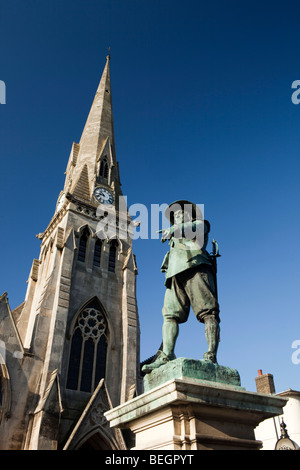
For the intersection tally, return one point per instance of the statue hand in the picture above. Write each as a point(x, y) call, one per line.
point(166, 235)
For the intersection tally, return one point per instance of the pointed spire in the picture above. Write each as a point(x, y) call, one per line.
point(99, 124)
point(98, 127)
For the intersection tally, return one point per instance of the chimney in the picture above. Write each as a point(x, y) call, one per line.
point(264, 383)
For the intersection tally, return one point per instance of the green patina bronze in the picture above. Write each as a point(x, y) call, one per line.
point(205, 372)
point(190, 273)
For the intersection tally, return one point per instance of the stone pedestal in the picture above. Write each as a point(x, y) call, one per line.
point(182, 410)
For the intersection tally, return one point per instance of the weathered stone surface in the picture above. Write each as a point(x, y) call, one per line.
point(200, 370)
point(188, 414)
point(37, 340)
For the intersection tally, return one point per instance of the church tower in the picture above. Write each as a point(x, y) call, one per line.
point(71, 350)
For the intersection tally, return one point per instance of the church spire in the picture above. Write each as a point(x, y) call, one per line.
point(99, 124)
point(80, 315)
point(97, 136)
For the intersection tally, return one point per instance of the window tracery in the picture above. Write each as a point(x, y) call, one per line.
point(87, 362)
point(104, 168)
point(112, 256)
point(97, 253)
point(83, 245)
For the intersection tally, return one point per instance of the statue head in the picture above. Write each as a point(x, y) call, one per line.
point(183, 211)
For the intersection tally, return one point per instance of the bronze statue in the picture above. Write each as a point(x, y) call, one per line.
point(190, 281)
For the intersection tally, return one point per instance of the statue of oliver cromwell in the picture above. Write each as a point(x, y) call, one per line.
point(190, 273)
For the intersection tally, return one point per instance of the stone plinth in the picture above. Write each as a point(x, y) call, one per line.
point(205, 371)
point(190, 413)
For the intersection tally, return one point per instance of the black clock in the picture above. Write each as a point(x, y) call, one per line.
point(103, 195)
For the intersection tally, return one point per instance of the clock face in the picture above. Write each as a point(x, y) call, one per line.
point(60, 202)
point(103, 195)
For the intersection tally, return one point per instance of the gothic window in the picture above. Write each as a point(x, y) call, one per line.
point(112, 256)
point(83, 245)
point(97, 253)
point(87, 362)
point(46, 259)
point(5, 391)
point(104, 168)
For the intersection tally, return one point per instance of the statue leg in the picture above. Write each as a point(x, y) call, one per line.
point(212, 334)
point(201, 290)
point(175, 310)
point(170, 333)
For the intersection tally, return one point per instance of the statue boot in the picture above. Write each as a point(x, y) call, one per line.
point(160, 360)
point(212, 334)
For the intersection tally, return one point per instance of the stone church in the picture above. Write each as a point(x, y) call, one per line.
point(70, 351)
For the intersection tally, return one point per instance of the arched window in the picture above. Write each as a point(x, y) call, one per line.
point(104, 168)
point(87, 362)
point(112, 256)
point(83, 245)
point(5, 390)
point(0, 390)
point(97, 253)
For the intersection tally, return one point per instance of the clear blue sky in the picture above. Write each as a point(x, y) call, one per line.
point(202, 110)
